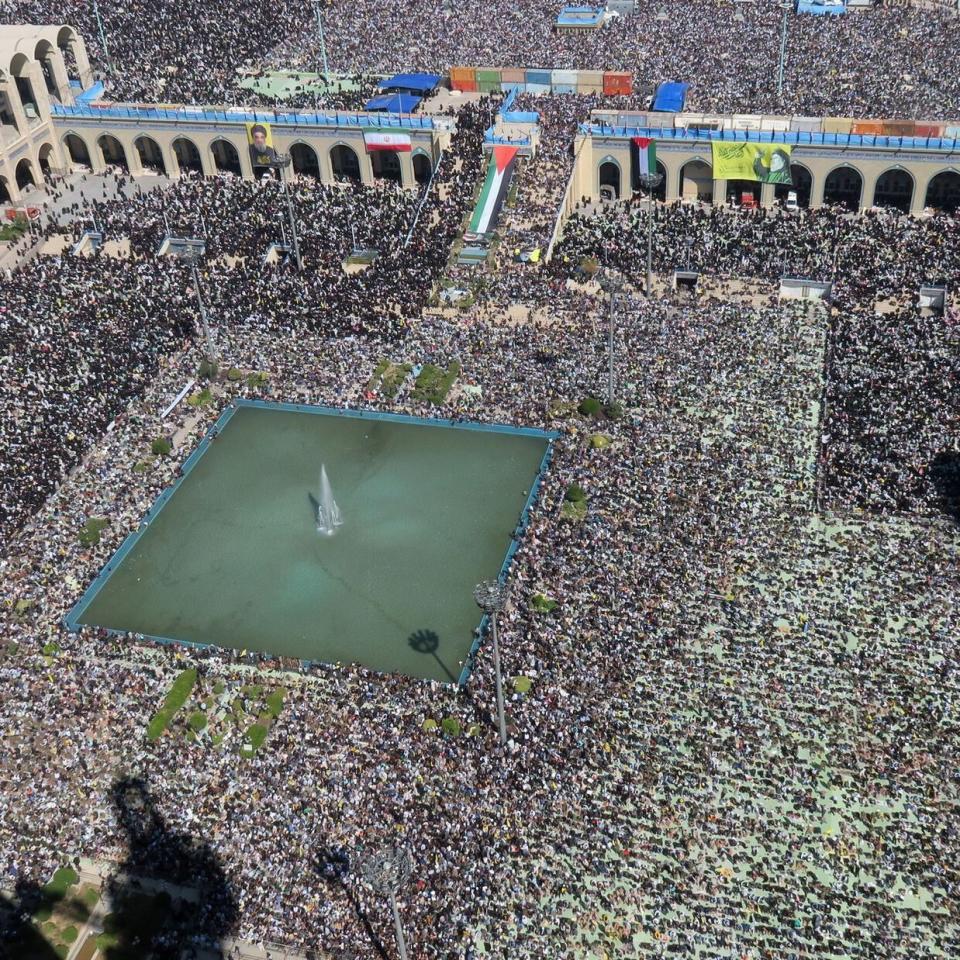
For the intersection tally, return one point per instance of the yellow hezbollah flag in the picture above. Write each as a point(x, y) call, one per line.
point(764, 162)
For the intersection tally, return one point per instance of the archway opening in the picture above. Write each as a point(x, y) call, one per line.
point(305, 160)
point(843, 186)
point(77, 149)
point(5, 191)
point(67, 44)
point(344, 162)
point(422, 168)
point(20, 70)
point(660, 190)
point(188, 156)
point(802, 186)
point(151, 156)
point(43, 156)
point(111, 149)
point(609, 179)
point(225, 157)
point(8, 117)
point(386, 165)
point(24, 174)
point(894, 189)
point(943, 192)
point(696, 181)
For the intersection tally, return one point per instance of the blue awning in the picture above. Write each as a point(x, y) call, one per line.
point(670, 97)
point(393, 103)
point(411, 83)
point(822, 7)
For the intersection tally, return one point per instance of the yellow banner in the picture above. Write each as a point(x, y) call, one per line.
point(260, 138)
point(763, 162)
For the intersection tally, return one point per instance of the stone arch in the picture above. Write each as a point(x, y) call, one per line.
point(44, 155)
point(304, 160)
point(112, 152)
point(187, 155)
point(20, 71)
point(422, 167)
point(9, 106)
point(844, 185)
point(43, 53)
point(894, 188)
point(151, 156)
point(77, 149)
point(225, 157)
point(696, 180)
point(386, 165)
point(609, 179)
point(73, 54)
point(25, 175)
point(5, 195)
point(802, 185)
point(943, 191)
point(344, 162)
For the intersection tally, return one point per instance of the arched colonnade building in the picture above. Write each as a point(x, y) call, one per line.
point(859, 172)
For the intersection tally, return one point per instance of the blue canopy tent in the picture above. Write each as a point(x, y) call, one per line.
point(398, 103)
point(416, 84)
point(670, 97)
point(822, 7)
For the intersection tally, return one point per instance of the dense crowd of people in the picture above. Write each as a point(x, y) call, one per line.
point(159, 50)
point(740, 735)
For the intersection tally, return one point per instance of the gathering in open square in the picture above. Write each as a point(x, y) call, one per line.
point(479, 482)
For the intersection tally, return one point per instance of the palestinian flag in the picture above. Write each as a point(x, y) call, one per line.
point(379, 140)
point(494, 192)
point(643, 158)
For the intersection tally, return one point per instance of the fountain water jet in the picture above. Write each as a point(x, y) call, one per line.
point(328, 513)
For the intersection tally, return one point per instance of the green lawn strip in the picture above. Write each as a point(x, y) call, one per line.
point(392, 378)
point(433, 384)
point(201, 398)
point(378, 371)
point(179, 692)
point(275, 702)
point(90, 531)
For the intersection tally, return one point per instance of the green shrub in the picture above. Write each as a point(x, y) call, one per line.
point(219, 687)
point(233, 375)
point(613, 411)
point(275, 703)
point(575, 493)
point(255, 380)
point(451, 726)
point(43, 914)
point(70, 934)
point(160, 447)
point(598, 441)
point(522, 684)
point(208, 370)
point(573, 510)
point(198, 720)
point(540, 603)
point(51, 649)
point(256, 735)
point(180, 690)
point(201, 398)
point(429, 725)
point(590, 407)
point(90, 531)
point(62, 950)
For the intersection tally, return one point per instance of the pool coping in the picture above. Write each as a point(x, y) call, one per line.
point(71, 620)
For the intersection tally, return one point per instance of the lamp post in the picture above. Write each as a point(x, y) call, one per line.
point(281, 162)
point(317, 7)
point(610, 283)
point(786, 7)
point(103, 36)
point(650, 182)
point(387, 870)
point(491, 597)
point(191, 253)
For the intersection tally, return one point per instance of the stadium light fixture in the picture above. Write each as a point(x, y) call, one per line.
point(650, 182)
point(491, 597)
point(386, 870)
point(281, 162)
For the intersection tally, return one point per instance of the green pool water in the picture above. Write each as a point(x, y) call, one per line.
point(233, 557)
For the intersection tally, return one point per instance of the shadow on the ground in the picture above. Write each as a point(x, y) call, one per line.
point(170, 898)
point(945, 475)
point(427, 642)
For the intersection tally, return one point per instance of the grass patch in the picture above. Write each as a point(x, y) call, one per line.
point(255, 736)
point(392, 378)
point(257, 379)
point(575, 493)
point(275, 703)
point(207, 370)
point(590, 407)
point(540, 603)
point(142, 466)
point(51, 649)
point(201, 398)
point(61, 882)
point(90, 531)
point(522, 684)
point(70, 934)
point(161, 447)
point(14, 230)
point(198, 721)
point(179, 692)
point(234, 374)
point(598, 441)
point(429, 725)
point(574, 510)
point(451, 726)
point(434, 384)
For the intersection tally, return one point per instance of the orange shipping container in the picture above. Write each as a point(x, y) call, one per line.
point(928, 130)
point(463, 78)
point(873, 128)
point(617, 83)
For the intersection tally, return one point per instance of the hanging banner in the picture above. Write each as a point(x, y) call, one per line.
point(763, 162)
point(643, 159)
point(375, 140)
point(260, 139)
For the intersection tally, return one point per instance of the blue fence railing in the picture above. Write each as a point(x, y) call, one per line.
point(208, 115)
point(795, 137)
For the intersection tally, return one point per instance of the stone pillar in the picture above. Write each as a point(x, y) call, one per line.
point(60, 78)
point(719, 192)
point(817, 183)
point(323, 161)
point(9, 88)
point(768, 195)
point(243, 150)
point(407, 179)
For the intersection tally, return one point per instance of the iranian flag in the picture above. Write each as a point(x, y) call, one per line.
point(644, 150)
point(378, 140)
